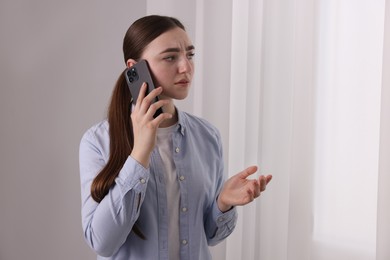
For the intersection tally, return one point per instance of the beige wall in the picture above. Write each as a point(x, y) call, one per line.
point(58, 63)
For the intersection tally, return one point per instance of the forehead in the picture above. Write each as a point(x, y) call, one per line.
point(175, 38)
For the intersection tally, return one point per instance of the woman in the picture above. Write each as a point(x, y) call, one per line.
point(153, 188)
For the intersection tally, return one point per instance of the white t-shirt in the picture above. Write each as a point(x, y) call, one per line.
point(165, 148)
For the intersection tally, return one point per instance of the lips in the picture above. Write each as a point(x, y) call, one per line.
point(182, 82)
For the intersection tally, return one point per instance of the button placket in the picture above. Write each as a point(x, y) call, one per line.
point(182, 179)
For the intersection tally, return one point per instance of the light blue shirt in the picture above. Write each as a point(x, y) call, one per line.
point(139, 195)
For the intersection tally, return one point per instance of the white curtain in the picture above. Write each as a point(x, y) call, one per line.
point(300, 88)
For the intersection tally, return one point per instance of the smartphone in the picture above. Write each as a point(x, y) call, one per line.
point(135, 76)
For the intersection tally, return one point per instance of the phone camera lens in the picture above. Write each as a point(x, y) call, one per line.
point(132, 75)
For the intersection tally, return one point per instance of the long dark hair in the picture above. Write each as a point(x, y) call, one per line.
point(137, 37)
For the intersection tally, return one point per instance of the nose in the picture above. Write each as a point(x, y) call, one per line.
point(185, 65)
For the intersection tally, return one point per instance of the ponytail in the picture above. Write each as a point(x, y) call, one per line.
point(121, 139)
point(121, 142)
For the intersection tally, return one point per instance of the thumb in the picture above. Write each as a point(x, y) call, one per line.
point(247, 172)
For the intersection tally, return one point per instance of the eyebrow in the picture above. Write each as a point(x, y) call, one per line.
point(189, 48)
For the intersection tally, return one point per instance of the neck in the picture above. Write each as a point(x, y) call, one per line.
point(170, 108)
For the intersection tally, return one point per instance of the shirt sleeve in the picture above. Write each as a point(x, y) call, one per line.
point(219, 224)
point(222, 224)
point(107, 224)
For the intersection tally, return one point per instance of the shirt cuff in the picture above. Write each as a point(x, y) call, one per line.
point(132, 176)
point(221, 218)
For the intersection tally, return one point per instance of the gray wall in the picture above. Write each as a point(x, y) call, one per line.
point(58, 63)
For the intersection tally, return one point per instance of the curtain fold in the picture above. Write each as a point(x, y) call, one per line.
point(300, 222)
point(244, 116)
point(237, 120)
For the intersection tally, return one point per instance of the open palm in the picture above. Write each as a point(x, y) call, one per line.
point(238, 190)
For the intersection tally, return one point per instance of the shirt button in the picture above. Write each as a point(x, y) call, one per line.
point(184, 209)
point(221, 219)
point(177, 150)
point(181, 178)
point(142, 180)
point(184, 242)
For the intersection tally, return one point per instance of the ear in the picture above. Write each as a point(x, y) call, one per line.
point(130, 62)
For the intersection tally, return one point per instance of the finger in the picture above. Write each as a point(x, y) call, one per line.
point(256, 188)
point(153, 94)
point(155, 106)
point(160, 118)
point(141, 95)
point(247, 172)
point(250, 196)
point(263, 182)
point(148, 99)
point(269, 178)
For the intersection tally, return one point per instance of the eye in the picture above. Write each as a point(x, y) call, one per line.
point(190, 55)
point(170, 58)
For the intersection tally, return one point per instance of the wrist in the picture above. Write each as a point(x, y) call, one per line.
point(141, 158)
point(223, 207)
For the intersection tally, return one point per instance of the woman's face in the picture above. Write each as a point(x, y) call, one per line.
point(170, 60)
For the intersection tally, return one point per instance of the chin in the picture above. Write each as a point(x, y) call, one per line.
point(178, 95)
point(174, 97)
point(180, 98)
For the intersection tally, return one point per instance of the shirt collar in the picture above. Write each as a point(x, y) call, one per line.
point(181, 123)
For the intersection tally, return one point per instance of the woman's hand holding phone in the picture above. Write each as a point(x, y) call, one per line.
point(145, 125)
